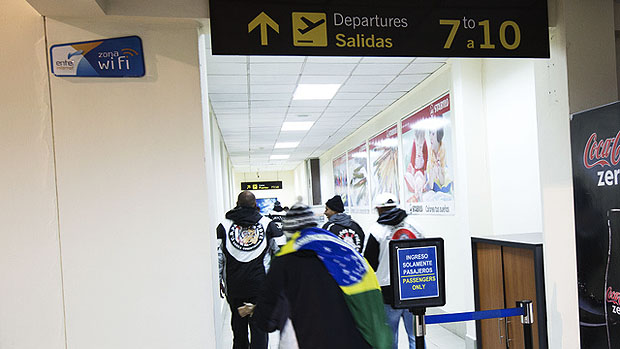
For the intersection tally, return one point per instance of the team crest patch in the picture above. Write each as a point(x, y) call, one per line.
point(350, 237)
point(246, 238)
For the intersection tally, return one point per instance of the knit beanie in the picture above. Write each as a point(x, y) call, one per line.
point(335, 204)
point(299, 217)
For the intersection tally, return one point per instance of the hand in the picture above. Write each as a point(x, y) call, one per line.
point(246, 309)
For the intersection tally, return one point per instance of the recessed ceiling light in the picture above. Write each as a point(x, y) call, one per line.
point(316, 91)
point(297, 125)
point(281, 145)
point(279, 157)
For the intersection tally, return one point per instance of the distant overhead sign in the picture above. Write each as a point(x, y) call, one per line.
point(449, 28)
point(261, 185)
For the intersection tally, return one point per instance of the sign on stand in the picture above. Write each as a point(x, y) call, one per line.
point(417, 273)
point(447, 28)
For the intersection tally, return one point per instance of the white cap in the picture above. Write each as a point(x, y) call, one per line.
point(386, 200)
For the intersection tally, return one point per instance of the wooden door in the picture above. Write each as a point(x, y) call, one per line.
point(491, 293)
point(520, 283)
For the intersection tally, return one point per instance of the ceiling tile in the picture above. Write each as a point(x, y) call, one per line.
point(270, 97)
point(226, 58)
point(221, 68)
point(399, 87)
point(273, 79)
point(319, 59)
point(371, 79)
point(352, 87)
point(326, 79)
point(275, 88)
point(277, 59)
point(310, 103)
point(380, 103)
point(387, 60)
point(228, 97)
point(410, 79)
point(240, 88)
point(227, 80)
point(422, 68)
point(275, 68)
point(379, 69)
point(355, 95)
point(358, 103)
point(390, 95)
point(269, 104)
point(328, 69)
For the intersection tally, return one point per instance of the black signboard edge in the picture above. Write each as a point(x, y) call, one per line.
point(425, 302)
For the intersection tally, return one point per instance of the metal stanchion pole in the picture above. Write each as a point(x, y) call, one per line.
point(527, 320)
point(419, 327)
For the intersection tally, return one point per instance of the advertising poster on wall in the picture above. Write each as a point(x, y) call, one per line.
point(595, 150)
point(358, 178)
point(428, 159)
point(340, 178)
point(383, 152)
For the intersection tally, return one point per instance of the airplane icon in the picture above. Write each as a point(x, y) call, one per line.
point(309, 29)
point(310, 25)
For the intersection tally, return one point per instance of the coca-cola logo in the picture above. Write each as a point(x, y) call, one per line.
point(605, 152)
point(613, 296)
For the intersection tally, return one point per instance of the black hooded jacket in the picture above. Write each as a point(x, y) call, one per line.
point(246, 239)
point(347, 229)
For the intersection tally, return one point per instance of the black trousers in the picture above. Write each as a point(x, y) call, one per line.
point(240, 327)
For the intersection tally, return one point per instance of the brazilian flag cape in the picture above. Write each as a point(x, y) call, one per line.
point(354, 276)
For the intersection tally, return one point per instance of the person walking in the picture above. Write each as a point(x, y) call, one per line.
point(244, 256)
point(391, 225)
point(342, 225)
point(323, 288)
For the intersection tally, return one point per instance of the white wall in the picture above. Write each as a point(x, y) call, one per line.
point(512, 141)
point(137, 241)
point(31, 309)
point(287, 195)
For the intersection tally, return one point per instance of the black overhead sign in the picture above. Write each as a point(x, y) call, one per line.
point(261, 185)
point(415, 28)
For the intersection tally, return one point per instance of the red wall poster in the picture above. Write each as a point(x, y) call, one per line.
point(428, 159)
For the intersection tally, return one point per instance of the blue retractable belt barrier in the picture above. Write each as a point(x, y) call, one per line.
point(474, 315)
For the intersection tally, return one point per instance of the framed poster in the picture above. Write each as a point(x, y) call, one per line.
point(428, 159)
point(358, 178)
point(340, 178)
point(383, 153)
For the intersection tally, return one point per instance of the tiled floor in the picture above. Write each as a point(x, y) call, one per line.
point(437, 338)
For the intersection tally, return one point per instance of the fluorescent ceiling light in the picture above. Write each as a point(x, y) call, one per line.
point(279, 157)
point(281, 145)
point(316, 91)
point(297, 125)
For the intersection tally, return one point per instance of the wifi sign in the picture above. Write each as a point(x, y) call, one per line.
point(116, 57)
point(129, 52)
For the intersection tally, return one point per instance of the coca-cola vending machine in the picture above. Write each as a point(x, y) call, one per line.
point(595, 148)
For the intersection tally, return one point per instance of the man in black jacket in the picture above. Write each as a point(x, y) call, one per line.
point(244, 256)
point(342, 225)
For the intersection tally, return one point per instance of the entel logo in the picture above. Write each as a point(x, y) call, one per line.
point(601, 153)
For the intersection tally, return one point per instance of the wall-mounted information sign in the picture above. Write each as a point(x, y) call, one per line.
point(261, 185)
point(417, 273)
point(117, 57)
point(448, 28)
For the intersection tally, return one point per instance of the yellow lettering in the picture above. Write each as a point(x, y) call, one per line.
point(388, 43)
point(470, 44)
point(340, 40)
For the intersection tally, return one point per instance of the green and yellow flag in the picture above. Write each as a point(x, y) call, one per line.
point(355, 278)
